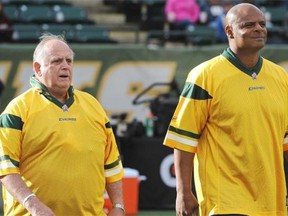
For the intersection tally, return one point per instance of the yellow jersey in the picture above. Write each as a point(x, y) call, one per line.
point(235, 119)
point(65, 153)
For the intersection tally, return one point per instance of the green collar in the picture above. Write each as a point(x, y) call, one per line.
point(228, 53)
point(44, 91)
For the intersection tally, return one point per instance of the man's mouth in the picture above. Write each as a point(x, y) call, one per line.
point(63, 76)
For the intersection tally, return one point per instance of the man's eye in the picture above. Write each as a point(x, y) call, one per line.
point(249, 25)
point(56, 61)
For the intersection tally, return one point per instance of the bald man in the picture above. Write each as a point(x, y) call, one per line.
point(231, 123)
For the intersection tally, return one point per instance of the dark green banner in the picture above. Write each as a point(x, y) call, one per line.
point(116, 74)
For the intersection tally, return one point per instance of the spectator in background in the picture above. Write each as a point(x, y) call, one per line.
point(182, 13)
point(219, 22)
point(205, 12)
point(5, 26)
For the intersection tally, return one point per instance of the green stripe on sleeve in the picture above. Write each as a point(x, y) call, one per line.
point(183, 132)
point(194, 91)
point(6, 157)
point(108, 125)
point(114, 164)
point(11, 121)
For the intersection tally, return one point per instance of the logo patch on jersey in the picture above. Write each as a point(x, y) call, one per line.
point(254, 76)
point(67, 119)
point(65, 108)
point(253, 88)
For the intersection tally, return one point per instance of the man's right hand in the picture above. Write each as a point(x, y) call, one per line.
point(187, 205)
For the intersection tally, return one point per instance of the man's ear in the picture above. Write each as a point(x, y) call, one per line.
point(229, 32)
point(37, 68)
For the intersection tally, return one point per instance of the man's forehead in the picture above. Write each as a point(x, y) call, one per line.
point(248, 11)
point(247, 16)
point(244, 11)
point(250, 18)
point(58, 51)
point(55, 56)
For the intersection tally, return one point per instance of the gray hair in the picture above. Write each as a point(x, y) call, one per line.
point(44, 38)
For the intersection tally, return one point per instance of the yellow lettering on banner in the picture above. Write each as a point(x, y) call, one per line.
point(5, 67)
point(22, 76)
point(123, 81)
point(85, 74)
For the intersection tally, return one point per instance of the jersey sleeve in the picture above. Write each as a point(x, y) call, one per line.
point(11, 125)
point(113, 165)
point(191, 113)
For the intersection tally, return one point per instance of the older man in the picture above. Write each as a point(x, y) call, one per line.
point(57, 149)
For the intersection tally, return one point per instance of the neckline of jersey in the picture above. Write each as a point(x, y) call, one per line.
point(230, 56)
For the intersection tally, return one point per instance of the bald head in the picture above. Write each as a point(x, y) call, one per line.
point(245, 28)
point(238, 11)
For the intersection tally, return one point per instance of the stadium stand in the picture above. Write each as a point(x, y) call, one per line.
point(195, 35)
point(152, 14)
point(91, 33)
point(5, 26)
point(25, 33)
point(70, 14)
point(161, 31)
point(127, 21)
point(36, 14)
point(16, 2)
point(31, 18)
point(12, 12)
point(276, 15)
point(51, 2)
point(66, 29)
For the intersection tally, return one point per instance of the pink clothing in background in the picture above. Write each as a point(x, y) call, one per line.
point(183, 10)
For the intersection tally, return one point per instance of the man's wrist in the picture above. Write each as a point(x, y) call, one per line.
point(25, 200)
point(120, 206)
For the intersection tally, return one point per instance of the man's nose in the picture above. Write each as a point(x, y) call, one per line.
point(259, 27)
point(65, 63)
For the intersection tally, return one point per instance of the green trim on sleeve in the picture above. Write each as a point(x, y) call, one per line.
point(114, 164)
point(108, 125)
point(194, 91)
point(11, 121)
point(7, 157)
point(183, 132)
